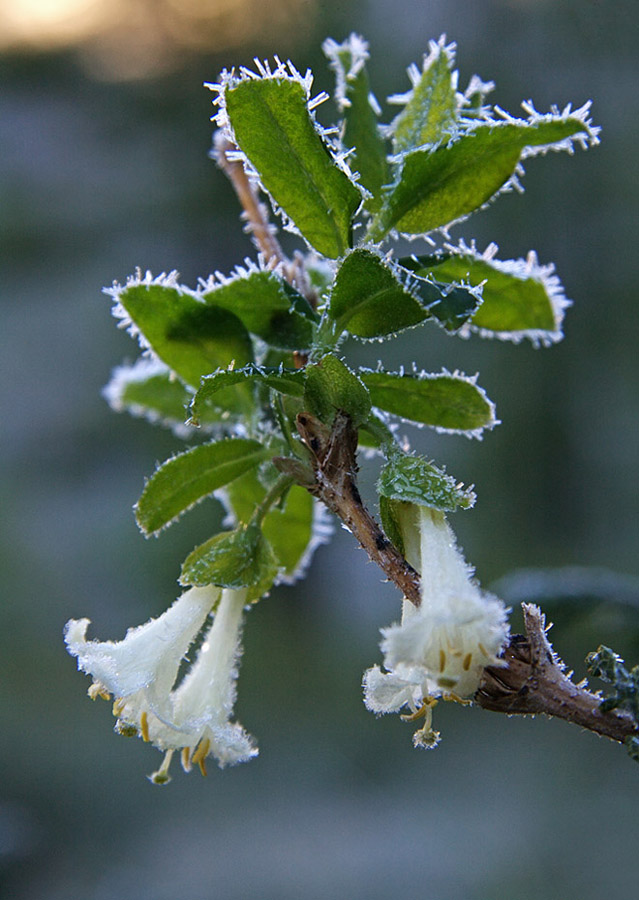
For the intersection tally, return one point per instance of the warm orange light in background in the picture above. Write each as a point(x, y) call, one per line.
point(124, 39)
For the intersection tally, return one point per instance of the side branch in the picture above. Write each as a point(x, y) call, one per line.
point(533, 681)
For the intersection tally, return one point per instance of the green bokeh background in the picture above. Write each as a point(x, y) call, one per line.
point(99, 176)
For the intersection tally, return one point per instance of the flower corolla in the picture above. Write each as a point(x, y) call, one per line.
point(440, 648)
point(141, 672)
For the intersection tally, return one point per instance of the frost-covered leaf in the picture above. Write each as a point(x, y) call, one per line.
point(416, 480)
point(451, 304)
point(185, 479)
point(360, 110)
point(148, 389)
point(447, 402)
point(368, 299)
point(373, 297)
point(285, 381)
point(331, 386)
point(233, 559)
point(436, 188)
point(430, 110)
point(291, 529)
point(267, 306)
point(270, 121)
point(191, 337)
point(520, 297)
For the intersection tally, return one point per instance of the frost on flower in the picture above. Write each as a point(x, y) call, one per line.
point(440, 648)
point(141, 672)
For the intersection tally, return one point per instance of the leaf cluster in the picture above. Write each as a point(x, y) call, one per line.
point(238, 358)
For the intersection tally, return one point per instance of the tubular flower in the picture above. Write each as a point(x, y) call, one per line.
point(141, 673)
point(440, 648)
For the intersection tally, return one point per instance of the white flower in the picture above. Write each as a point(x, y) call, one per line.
point(440, 648)
point(141, 673)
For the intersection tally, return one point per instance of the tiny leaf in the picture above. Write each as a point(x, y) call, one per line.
point(416, 480)
point(331, 386)
point(272, 125)
point(233, 559)
point(185, 479)
point(447, 402)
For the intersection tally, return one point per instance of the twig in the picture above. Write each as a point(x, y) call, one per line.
point(533, 681)
point(333, 456)
point(255, 213)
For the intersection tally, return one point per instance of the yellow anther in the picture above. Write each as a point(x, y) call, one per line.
point(144, 727)
point(98, 690)
point(118, 706)
point(484, 651)
point(467, 661)
point(455, 698)
point(199, 755)
point(442, 660)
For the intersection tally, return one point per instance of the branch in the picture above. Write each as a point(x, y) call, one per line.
point(532, 678)
point(333, 456)
point(533, 681)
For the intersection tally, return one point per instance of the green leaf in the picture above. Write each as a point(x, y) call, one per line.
point(185, 479)
point(368, 299)
point(233, 559)
point(285, 381)
point(268, 307)
point(331, 386)
point(189, 336)
point(356, 103)
point(374, 298)
point(451, 304)
point(148, 389)
point(439, 187)
point(416, 480)
point(430, 112)
point(289, 529)
point(446, 402)
point(274, 128)
point(520, 297)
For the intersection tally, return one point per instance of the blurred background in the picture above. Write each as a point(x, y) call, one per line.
point(105, 130)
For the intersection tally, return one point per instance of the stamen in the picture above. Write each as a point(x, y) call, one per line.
point(483, 650)
point(118, 706)
point(144, 727)
point(467, 661)
point(200, 754)
point(186, 759)
point(162, 775)
point(98, 690)
point(442, 660)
